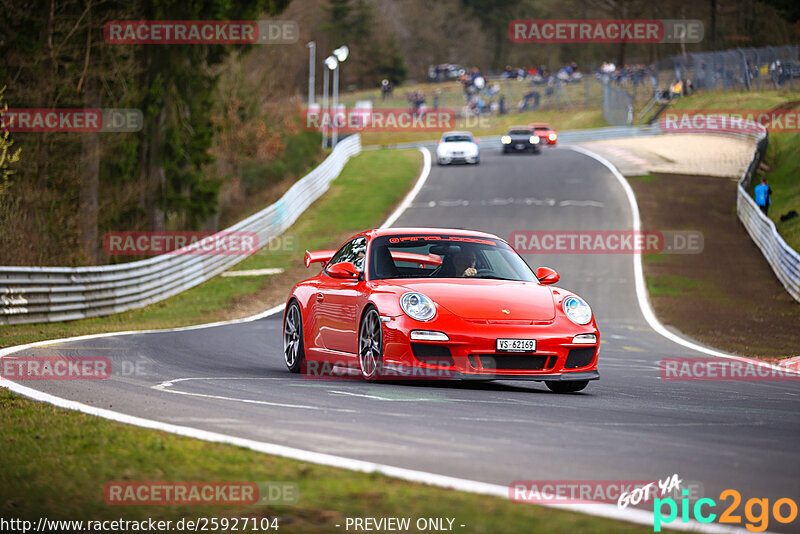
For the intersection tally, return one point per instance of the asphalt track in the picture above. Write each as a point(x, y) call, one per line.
point(629, 425)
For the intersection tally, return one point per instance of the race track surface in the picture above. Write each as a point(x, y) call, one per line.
point(629, 425)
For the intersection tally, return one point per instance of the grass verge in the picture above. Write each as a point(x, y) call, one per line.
point(55, 464)
point(342, 211)
point(783, 153)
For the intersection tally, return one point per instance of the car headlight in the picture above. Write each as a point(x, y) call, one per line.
point(552, 137)
point(534, 139)
point(577, 310)
point(418, 306)
point(506, 140)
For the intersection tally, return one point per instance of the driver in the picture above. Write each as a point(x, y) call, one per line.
point(464, 263)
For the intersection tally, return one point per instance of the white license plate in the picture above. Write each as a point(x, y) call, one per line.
point(520, 146)
point(516, 345)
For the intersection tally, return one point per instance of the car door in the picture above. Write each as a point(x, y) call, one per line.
point(337, 300)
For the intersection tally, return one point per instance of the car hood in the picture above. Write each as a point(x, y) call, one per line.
point(463, 146)
point(486, 299)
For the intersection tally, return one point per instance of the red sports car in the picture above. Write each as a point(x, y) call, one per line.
point(545, 132)
point(426, 303)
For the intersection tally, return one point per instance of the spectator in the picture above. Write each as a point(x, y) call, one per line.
point(526, 99)
point(763, 194)
point(386, 89)
point(676, 89)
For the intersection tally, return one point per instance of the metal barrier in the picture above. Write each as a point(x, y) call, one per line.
point(564, 137)
point(617, 106)
point(740, 69)
point(784, 260)
point(49, 294)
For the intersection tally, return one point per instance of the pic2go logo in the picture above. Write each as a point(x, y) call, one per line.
point(756, 511)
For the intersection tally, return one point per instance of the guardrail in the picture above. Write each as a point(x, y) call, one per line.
point(49, 294)
point(784, 260)
point(567, 136)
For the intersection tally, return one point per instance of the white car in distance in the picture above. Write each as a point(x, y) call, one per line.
point(458, 147)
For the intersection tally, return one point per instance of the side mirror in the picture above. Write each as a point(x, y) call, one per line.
point(344, 269)
point(546, 275)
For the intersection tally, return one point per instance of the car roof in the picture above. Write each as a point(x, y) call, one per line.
point(541, 126)
point(457, 132)
point(378, 232)
point(519, 128)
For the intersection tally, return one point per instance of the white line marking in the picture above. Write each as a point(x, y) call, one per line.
point(641, 287)
point(164, 386)
point(609, 511)
point(423, 177)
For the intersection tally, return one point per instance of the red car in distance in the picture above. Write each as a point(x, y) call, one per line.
point(545, 132)
point(426, 303)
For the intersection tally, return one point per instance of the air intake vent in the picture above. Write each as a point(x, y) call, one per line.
point(432, 354)
point(579, 357)
point(514, 362)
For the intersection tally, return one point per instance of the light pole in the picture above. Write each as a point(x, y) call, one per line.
point(312, 47)
point(330, 63)
point(341, 54)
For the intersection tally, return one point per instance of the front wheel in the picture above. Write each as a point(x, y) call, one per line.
point(572, 386)
point(370, 345)
point(293, 350)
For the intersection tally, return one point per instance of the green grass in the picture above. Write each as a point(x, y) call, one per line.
point(386, 174)
point(783, 158)
point(783, 152)
point(671, 285)
point(55, 464)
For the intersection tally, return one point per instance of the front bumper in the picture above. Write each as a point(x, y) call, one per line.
point(447, 159)
point(471, 353)
point(520, 146)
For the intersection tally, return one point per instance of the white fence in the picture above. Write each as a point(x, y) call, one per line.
point(49, 294)
point(783, 259)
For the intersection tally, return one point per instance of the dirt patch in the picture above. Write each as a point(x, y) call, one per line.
point(709, 155)
point(727, 296)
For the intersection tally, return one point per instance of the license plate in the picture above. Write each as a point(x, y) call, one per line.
point(516, 345)
point(520, 146)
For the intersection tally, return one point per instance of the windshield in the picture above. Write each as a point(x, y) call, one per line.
point(444, 256)
point(457, 139)
point(519, 132)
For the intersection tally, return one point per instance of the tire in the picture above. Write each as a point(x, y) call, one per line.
point(370, 344)
point(571, 386)
point(293, 349)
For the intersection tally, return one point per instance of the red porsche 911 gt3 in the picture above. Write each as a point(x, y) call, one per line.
point(435, 303)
